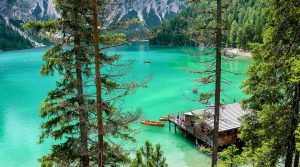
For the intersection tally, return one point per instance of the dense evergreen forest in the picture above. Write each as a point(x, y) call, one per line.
point(10, 39)
point(172, 31)
point(245, 22)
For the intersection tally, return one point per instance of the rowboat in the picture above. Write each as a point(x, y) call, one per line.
point(152, 123)
point(195, 90)
point(164, 118)
point(147, 61)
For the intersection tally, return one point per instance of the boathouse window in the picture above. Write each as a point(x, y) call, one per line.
point(192, 123)
point(203, 129)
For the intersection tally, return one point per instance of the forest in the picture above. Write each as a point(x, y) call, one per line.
point(244, 21)
point(10, 39)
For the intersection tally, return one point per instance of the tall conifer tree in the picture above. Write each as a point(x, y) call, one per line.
point(101, 160)
point(203, 35)
point(65, 109)
point(70, 111)
point(269, 130)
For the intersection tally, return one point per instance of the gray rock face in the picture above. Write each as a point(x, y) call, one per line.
point(152, 12)
point(27, 9)
point(16, 12)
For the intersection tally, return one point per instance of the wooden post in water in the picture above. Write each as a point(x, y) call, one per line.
point(169, 122)
point(175, 127)
point(194, 131)
point(185, 129)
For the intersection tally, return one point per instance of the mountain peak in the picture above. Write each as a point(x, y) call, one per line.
point(152, 12)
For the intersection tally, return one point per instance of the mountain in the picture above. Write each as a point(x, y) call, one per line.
point(10, 39)
point(15, 12)
point(152, 12)
point(173, 31)
point(26, 10)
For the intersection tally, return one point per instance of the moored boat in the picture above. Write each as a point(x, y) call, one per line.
point(164, 118)
point(195, 90)
point(152, 123)
point(147, 61)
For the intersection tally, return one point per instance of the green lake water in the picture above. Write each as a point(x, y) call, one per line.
point(22, 90)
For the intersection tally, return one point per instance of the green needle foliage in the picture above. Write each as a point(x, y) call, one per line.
point(231, 157)
point(273, 86)
point(69, 111)
point(298, 138)
point(245, 22)
point(148, 156)
point(9, 39)
point(207, 31)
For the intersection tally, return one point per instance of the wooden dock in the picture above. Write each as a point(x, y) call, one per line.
point(194, 131)
point(202, 129)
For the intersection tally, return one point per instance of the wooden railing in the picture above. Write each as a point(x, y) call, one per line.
point(194, 130)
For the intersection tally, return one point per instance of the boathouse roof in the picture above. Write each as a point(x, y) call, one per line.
point(230, 116)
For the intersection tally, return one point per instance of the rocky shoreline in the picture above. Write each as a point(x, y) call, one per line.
point(237, 52)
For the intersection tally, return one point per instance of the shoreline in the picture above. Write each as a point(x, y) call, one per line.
point(237, 52)
point(14, 49)
point(228, 51)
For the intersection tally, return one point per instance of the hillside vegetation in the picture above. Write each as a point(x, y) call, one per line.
point(245, 24)
point(10, 39)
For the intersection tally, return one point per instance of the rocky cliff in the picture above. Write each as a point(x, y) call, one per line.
point(152, 12)
point(27, 9)
point(16, 12)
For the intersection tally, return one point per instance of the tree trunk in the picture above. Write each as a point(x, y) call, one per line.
point(101, 160)
point(218, 84)
point(296, 161)
point(291, 147)
point(83, 117)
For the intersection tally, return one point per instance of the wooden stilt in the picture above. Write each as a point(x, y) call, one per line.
point(175, 127)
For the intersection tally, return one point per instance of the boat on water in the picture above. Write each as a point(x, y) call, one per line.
point(147, 61)
point(164, 118)
point(152, 123)
point(195, 90)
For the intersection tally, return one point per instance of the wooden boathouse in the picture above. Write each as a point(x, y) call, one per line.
point(200, 124)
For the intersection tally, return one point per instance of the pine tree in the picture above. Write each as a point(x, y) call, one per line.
point(70, 109)
point(209, 31)
point(65, 109)
point(106, 83)
point(158, 158)
point(147, 156)
point(230, 157)
point(233, 34)
point(269, 130)
point(101, 160)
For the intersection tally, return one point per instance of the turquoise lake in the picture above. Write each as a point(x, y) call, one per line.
point(22, 90)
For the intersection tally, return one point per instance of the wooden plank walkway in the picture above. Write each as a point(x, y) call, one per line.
point(191, 130)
